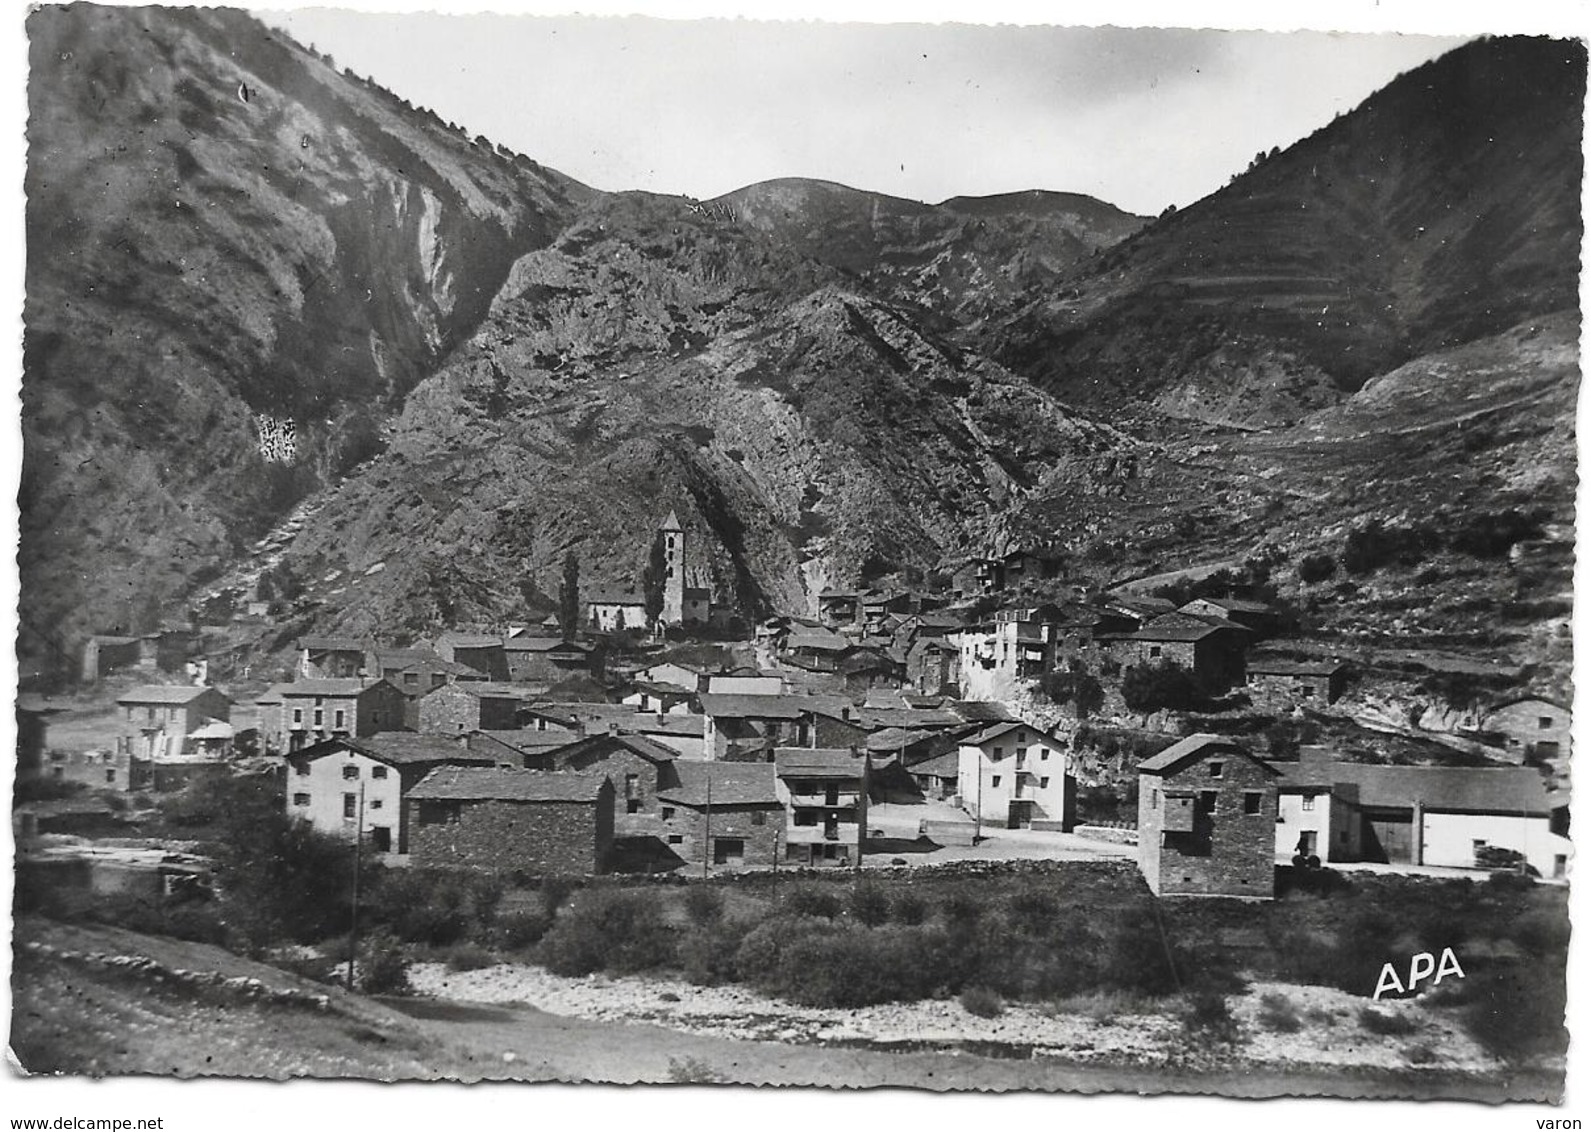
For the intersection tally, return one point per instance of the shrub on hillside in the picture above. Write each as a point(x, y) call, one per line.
point(908, 908)
point(382, 967)
point(704, 905)
point(469, 957)
point(1386, 1023)
point(1279, 1015)
point(1313, 568)
point(706, 955)
point(811, 900)
point(608, 931)
point(981, 1002)
point(869, 905)
point(1516, 1010)
point(1152, 687)
point(514, 931)
point(1207, 1020)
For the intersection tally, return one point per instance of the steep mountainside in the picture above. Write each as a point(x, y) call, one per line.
point(1444, 208)
point(965, 258)
point(659, 358)
point(224, 229)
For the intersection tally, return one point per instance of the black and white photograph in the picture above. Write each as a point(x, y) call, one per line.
point(844, 554)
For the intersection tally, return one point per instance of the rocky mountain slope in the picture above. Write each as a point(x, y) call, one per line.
point(223, 229)
point(1446, 207)
point(654, 358)
point(491, 366)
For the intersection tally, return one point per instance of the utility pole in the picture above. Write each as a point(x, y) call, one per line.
point(353, 927)
point(707, 839)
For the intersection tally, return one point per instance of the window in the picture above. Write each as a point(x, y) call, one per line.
point(759, 818)
point(668, 813)
point(320, 701)
point(1044, 754)
point(1251, 801)
point(675, 839)
point(1154, 651)
point(301, 768)
point(1306, 691)
point(298, 715)
point(350, 806)
point(1544, 722)
point(350, 771)
point(633, 806)
point(411, 678)
point(999, 751)
point(995, 781)
point(378, 772)
point(300, 799)
point(340, 719)
point(1216, 768)
point(632, 785)
point(1021, 737)
point(110, 776)
point(375, 803)
point(806, 817)
point(1044, 783)
point(1309, 802)
point(320, 718)
point(1154, 796)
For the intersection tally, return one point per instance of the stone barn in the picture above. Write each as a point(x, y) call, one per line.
point(503, 818)
point(1207, 820)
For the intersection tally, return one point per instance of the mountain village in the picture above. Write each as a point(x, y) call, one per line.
point(889, 727)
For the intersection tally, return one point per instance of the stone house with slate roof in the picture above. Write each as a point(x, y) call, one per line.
point(824, 794)
point(470, 706)
point(481, 651)
point(325, 782)
point(723, 816)
point(306, 712)
point(324, 658)
point(160, 720)
point(1281, 685)
point(503, 818)
point(639, 768)
point(547, 660)
point(1207, 820)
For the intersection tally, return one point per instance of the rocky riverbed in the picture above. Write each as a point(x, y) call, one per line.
point(1329, 1031)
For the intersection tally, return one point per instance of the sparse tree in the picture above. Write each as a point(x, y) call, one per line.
point(569, 597)
point(652, 581)
point(1150, 687)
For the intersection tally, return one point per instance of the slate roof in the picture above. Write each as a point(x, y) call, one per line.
point(1166, 633)
point(331, 644)
point(818, 762)
point(471, 640)
point(733, 784)
point(535, 644)
point(614, 595)
point(1263, 667)
point(1185, 750)
point(747, 706)
point(947, 765)
point(494, 690)
point(816, 640)
point(334, 686)
point(1240, 605)
point(525, 740)
point(907, 717)
point(400, 748)
point(164, 694)
point(995, 730)
point(982, 711)
point(1478, 790)
point(507, 784)
point(638, 744)
point(897, 738)
point(402, 658)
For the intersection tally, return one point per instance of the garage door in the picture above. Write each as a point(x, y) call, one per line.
point(1389, 838)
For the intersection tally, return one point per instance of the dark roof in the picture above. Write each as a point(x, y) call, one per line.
point(1166, 633)
point(1483, 790)
point(749, 706)
point(399, 748)
point(639, 744)
point(983, 711)
point(402, 658)
point(659, 688)
point(1266, 667)
point(164, 694)
point(995, 730)
point(820, 640)
point(908, 717)
point(732, 784)
point(507, 784)
point(897, 738)
point(1194, 746)
point(494, 690)
point(614, 595)
point(525, 740)
point(471, 640)
point(947, 765)
point(535, 644)
point(331, 644)
point(1239, 605)
point(337, 686)
point(818, 762)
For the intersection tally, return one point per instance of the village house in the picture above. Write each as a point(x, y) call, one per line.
point(1257, 617)
point(879, 605)
point(531, 750)
point(666, 698)
point(1458, 817)
point(167, 649)
point(639, 769)
point(1281, 685)
point(305, 712)
point(1015, 776)
point(1207, 820)
point(824, 794)
point(751, 727)
point(1001, 656)
point(325, 658)
point(470, 706)
point(814, 648)
point(1534, 727)
point(548, 660)
point(481, 651)
point(938, 777)
point(1212, 653)
point(160, 720)
point(33, 724)
point(114, 770)
point(385, 663)
point(668, 672)
point(680, 732)
point(839, 608)
point(614, 609)
point(723, 816)
point(332, 784)
point(505, 819)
